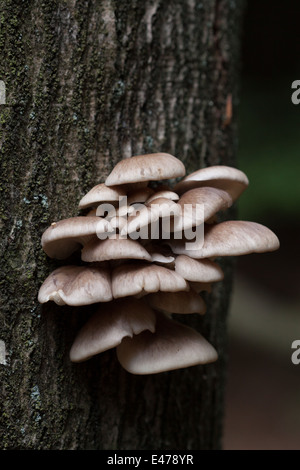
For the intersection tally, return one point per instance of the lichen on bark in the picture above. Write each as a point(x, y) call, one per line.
point(89, 83)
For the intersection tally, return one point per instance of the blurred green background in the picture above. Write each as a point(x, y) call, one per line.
point(263, 393)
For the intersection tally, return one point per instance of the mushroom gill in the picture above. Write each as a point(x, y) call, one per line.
point(147, 253)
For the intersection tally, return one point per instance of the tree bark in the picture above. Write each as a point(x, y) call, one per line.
point(89, 82)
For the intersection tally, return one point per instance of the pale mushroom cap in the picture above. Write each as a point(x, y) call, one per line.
point(76, 285)
point(230, 238)
point(204, 270)
point(200, 204)
point(172, 346)
point(149, 214)
point(160, 258)
point(139, 279)
point(101, 194)
point(160, 254)
point(62, 238)
point(177, 302)
point(114, 248)
point(166, 194)
point(109, 325)
point(151, 167)
point(223, 177)
point(215, 197)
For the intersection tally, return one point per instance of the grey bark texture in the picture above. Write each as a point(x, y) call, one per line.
point(89, 82)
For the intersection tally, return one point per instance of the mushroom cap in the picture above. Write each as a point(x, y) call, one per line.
point(204, 270)
point(150, 213)
point(166, 194)
point(172, 346)
point(230, 179)
point(139, 279)
point(101, 194)
point(230, 238)
point(112, 322)
point(160, 258)
point(76, 285)
point(198, 205)
point(160, 254)
point(62, 238)
point(177, 302)
point(114, 248)
point(151, 167)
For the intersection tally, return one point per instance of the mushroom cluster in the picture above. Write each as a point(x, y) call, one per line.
point(138, 264)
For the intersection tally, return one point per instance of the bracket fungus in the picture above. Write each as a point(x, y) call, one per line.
point(140, 284)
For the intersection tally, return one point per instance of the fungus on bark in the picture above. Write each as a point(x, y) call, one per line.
point(141, 283)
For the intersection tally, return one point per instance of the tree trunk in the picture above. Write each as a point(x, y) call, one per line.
point(87, 83)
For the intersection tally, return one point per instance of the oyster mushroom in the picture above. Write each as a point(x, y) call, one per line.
point(138, 283)
point(107, 327)
point(116, 248)
point(198, 205)
point(102, 194)
point(166, 194)
point(62, 238)
point(150, 214)
point(204, 270)
point(143, 168)
point(230, 238)
point(229, 179)
point(140, 279)
point(172, 346)
point(76, 285)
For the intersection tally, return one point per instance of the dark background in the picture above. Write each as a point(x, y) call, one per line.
point(263, 392)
